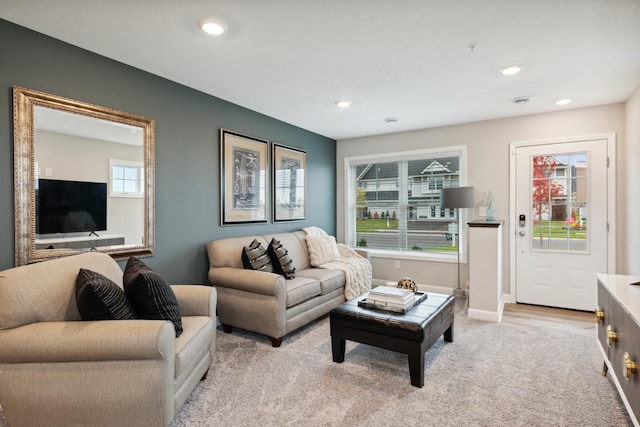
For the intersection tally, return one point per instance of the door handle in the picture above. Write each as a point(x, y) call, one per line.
point(522, 233)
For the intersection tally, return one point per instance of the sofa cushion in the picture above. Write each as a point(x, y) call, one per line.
point(255, 257)
point(193, 343)
point(45, 291)
point(150, 294)
point(322, 249)
point(329, 279)
point(301, 289)
point(99, 298)
point(296, 248)
point(224, 252)
point(282, 264)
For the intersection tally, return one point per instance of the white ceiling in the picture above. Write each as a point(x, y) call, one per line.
point(409, 59)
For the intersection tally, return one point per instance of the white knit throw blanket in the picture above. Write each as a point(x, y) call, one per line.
point(357, 269)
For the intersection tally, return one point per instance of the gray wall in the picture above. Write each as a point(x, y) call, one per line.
point(187, 146)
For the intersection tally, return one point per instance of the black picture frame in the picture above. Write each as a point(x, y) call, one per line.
point(289, 183)
point(244, 177)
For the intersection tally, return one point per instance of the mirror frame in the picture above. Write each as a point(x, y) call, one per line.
point(24, 101)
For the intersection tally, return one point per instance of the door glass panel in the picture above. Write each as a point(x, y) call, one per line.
point(559, 202)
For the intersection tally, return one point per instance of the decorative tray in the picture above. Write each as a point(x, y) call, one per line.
point(419, 297)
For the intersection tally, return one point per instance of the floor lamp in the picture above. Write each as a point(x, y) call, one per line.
point(458, 198)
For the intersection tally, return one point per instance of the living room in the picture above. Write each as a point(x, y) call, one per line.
point(187, 156)
point(187, 152)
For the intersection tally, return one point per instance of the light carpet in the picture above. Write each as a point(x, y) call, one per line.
point(493, 374)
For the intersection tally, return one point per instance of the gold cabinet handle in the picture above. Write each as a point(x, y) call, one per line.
point(599, 315)
point(629, 367)
point(611, 335)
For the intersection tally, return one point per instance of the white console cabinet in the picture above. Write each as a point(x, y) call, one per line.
point(80, 242)
point(485, 270)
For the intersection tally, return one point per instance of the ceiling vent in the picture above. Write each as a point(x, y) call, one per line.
point(522, 100)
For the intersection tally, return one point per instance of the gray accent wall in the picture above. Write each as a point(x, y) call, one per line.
point(187, 146)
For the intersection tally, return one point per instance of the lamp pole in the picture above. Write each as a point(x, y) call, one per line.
point(457, 198)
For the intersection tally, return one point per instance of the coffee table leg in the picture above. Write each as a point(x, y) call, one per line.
point(448, 334)
point(337, 348)
point(416, 370)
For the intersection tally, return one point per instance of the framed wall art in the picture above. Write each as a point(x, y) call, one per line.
point(243, 178)
point(289, 183)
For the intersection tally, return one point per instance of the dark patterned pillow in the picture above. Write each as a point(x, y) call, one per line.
point(282, 264)
point(150, 294)
point(134, 267)
point(255, 257)
point(98, 298)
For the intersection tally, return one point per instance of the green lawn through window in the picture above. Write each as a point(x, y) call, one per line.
point(558, 229)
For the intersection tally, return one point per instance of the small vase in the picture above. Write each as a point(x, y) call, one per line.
point(491, 208)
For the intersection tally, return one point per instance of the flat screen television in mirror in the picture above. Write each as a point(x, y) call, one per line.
point(70, 206)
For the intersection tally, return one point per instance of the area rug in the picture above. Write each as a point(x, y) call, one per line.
point(493, 374)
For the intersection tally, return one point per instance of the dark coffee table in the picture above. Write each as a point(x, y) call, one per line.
point(412, 333)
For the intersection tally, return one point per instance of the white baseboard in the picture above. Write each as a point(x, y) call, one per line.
point(491, 316)
point(508, 299)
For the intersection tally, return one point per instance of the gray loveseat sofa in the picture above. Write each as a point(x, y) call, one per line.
point(266, 302)
point(56, 370)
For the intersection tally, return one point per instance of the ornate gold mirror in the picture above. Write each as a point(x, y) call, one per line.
point(84, 179)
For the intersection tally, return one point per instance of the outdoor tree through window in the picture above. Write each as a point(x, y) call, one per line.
point(559, 202)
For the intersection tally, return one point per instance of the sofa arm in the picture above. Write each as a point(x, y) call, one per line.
point(257, 282)
point(45, 342)
point(196, 300)
point(348, 251)
point(364, 253)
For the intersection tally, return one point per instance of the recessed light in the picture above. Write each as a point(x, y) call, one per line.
point(211, 27)
point(563, 101)
point(511, 70)
point(521, 100)
point(343, 103)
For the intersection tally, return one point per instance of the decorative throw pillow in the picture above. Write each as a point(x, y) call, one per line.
point(282, 264)
point(98, 298)
point(150, 294)
point(322, 249)
point(255, 257)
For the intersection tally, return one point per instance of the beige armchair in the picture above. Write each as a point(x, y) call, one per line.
point(56, 370)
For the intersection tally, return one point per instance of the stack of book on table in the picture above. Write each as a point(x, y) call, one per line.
point(391, 298)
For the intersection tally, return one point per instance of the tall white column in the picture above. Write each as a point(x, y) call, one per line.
point(485, 270)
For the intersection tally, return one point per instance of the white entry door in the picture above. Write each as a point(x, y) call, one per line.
point(561, 223)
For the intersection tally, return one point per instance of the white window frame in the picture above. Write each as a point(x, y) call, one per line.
point(139, 166)
point(350, 197)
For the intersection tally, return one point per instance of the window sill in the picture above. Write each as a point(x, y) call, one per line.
point(127, 195)
point(406, 255)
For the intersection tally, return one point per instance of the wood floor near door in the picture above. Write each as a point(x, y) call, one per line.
point(568, 320)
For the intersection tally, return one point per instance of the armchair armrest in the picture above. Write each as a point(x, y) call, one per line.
point(45, 342)
point(258, 282)
point(196, 300)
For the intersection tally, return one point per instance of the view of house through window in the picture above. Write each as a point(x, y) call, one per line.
point(394, 202)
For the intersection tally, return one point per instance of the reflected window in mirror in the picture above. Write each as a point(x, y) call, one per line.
point(127, 178)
